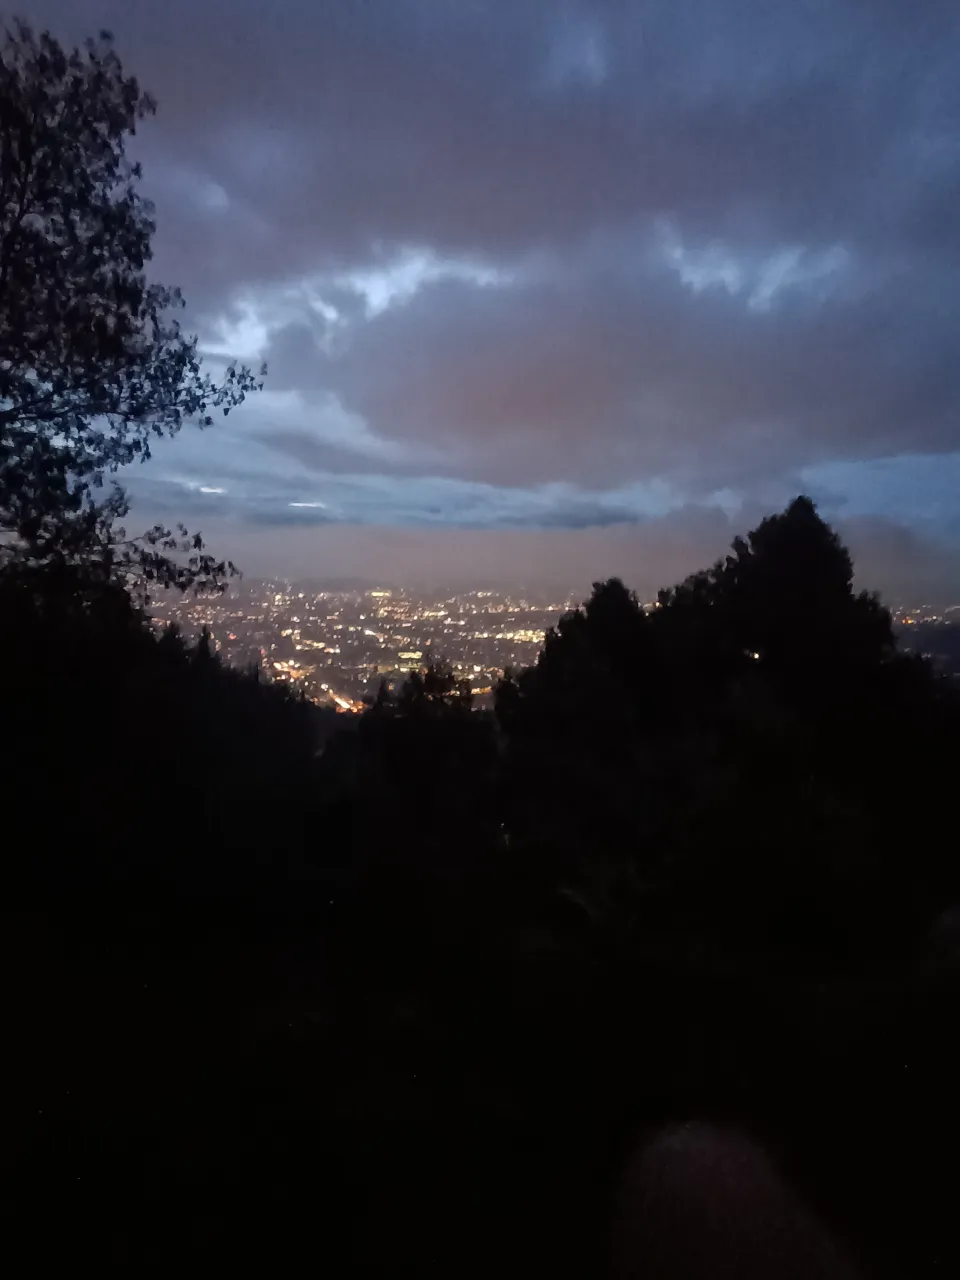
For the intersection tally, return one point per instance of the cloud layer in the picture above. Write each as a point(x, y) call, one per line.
point(580, 278)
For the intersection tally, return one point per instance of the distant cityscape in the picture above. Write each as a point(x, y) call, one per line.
point(932, 632)
point(337, 644)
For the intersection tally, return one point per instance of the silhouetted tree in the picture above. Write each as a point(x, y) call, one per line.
point(589, 680)
point(93, 365)
point(783, 598)
point(410, 794)
point(730, 752)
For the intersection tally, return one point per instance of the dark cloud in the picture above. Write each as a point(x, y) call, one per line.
point(318, 455)
point(901, 563)
point(704, 250)
point(329, 497)
point(332, 128)
point(656, 553)
point(617, 366)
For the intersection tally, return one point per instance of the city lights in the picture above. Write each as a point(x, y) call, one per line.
point(337, 646)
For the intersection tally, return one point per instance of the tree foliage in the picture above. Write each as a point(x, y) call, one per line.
point(729, 752)
point(94, 366)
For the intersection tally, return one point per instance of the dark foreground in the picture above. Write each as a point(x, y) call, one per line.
point(205, 1099)
point(413, 996)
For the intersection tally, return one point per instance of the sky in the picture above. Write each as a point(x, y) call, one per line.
point(553, 290)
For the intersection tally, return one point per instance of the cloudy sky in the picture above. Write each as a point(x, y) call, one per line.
point(553, 289)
